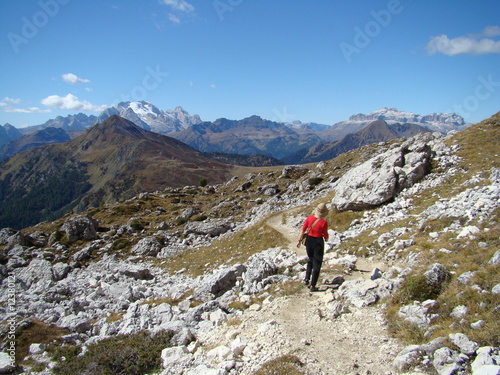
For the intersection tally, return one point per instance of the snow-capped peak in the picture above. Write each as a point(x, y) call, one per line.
point(150, 117)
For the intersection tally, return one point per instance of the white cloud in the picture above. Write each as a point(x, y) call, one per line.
point(71, 102)
point(468, 44)
point(212, 86)
point(180, 5)
point(73, 79)
point(173, 18)
point(6, 106)
point(8, 100)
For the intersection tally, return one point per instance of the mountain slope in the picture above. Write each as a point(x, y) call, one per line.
point(377, 131)
point(252, 135)
point(111, 161)
point(39, 138)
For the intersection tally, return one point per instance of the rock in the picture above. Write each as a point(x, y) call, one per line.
point(75, 323)
point(495, 259)
point(465, 345)
point(60, 271)
point(336, 309)
point(485, 357)
point(466, 277)
point(81, 227)
point(7, 364)
point(459, 312)
point(39, 272)
point(437, 274)
point(417, 314)
point(259, 266)
point(137, 272)
point(148, 246)
point(448, 362)
point(487, 370)
point(496, 289)
point(381, 178)
point(36, 348)
point(217, 284)
point(177, 356)
point(212, 228)
point(408, 358)
point(221, 352)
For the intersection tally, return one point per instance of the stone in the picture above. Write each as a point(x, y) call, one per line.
point(465, 345)
point(211, 228)
point(37, 272)
point(7, 365)
point(437, 274)
point(215, 285)
point(36, 348)
point(447, 361)
point(81, 227)
point(459, 312)
point(495, 259)
point(379, 179)
point(175, 356)
point(148, 246)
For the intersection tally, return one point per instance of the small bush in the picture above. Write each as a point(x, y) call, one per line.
point(284, 365)
point(124, 354)
point(203, 182)
point(416, 288)
point(315, 181)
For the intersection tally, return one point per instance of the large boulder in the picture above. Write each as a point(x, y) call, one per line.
point(81, 227)
point(379, 179)
point(215, 285)
point(212, 228)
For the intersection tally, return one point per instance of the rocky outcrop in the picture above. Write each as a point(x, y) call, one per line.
point(381, 178)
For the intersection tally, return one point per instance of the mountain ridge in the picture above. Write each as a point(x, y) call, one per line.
point(113, 160)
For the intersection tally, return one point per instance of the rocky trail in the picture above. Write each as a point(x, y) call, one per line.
point(356, 342)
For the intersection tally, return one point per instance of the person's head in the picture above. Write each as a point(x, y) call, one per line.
point(321, 211)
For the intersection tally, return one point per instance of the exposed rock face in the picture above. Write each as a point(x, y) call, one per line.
point(381, 178)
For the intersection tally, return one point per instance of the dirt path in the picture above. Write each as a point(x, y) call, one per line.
point(356, 342)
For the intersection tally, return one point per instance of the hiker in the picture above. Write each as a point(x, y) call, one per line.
point(315, 229)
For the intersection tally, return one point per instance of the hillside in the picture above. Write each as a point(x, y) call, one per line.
point(376, 131)
point(207, 279)
point(39, 138)
point(112, 161)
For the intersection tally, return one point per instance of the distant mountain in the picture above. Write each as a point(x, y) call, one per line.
point(376, 131)
point(149, 117)
point(439, 122)
point(69, 123)
point(252, 135)
point(8, 133)
point(38, 138)
point(298, 125)
point(113, 160)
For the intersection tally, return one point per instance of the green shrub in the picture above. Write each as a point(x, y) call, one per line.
point(284, 365)
point(416, 288)
point(203, 182)
point(124, 354)
point(315, 181)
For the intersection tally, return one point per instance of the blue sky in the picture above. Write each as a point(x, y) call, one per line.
point(284, 60)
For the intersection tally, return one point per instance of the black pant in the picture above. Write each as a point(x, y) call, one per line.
point(315, 247)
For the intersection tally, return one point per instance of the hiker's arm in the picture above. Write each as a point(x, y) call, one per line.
point(301, 236)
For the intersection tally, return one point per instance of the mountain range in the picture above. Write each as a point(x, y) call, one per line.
point(112, 161)
point(376, 131)
point(252, 135)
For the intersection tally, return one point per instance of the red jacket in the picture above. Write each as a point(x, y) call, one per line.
point(320, 229)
